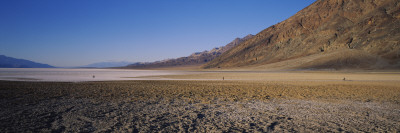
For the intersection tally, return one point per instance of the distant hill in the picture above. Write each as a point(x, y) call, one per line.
point(9, 62)
point(328, 34)
point(108, 64)
point(197, 58)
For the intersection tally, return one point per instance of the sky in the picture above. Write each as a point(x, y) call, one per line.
point(68, 33)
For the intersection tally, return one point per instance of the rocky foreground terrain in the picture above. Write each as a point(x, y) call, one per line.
point(200, 106)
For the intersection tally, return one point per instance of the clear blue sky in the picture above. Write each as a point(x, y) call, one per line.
point(80, 32)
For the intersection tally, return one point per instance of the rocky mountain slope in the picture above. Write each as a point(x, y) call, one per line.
point(9, 62)
point(197, 58)
point(327, 34)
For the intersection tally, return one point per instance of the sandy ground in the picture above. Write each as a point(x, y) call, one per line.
point(261, 105)
point(289, 76)
point(81, 74)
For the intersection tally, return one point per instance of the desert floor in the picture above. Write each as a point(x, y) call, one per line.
point(203, 102)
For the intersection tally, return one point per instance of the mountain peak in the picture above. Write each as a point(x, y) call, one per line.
point(249, 36)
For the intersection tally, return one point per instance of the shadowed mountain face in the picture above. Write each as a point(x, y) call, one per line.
point(327, 34)
point(194, 59)
point(9, 62)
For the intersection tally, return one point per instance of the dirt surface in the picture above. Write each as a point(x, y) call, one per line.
point(251, 75)
point(200, 106)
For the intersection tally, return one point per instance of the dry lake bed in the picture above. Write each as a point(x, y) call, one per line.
point(78, 75)
point(183, 101)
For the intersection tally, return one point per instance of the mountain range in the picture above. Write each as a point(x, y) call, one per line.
point(195, 59)
point(9, 62)
point(328, 34)
point(108, 64)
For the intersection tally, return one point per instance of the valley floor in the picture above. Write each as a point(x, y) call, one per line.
point(201, 105)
